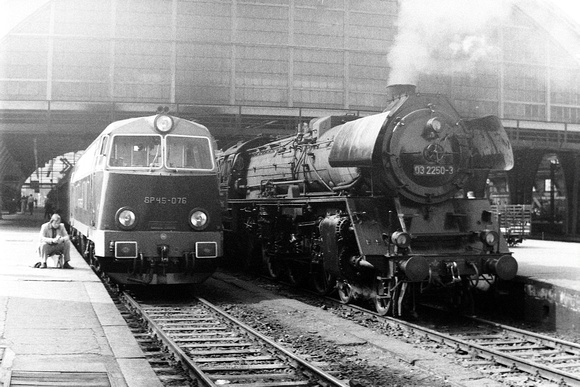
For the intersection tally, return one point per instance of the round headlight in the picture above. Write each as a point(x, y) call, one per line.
point(126, 218)
point(401, 239)
point(490, 238)
point(198, 219)
point(434, 124)
point(163, 123)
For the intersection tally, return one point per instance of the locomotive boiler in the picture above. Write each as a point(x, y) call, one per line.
point(373, 206)
point(144, 202)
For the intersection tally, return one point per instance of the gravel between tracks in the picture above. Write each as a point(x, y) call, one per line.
point(361, 356)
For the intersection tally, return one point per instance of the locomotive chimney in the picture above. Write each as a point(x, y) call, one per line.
point(400, 89)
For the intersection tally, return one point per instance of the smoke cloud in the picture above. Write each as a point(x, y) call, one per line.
point(444, 36)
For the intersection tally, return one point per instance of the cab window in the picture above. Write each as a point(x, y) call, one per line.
point(184, 152)
point(136, 152)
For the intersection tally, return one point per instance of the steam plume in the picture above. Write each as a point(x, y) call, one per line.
point(443, 36)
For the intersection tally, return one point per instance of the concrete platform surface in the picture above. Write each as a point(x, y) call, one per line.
point(549, 279)
point(58, 325)
point(549, 261)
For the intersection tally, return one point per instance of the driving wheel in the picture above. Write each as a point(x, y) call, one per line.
point(322, 281)
point(272, 263)
point(345, 292)
point(297, 273)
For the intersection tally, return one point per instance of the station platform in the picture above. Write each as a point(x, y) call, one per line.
point(547, 288)
point(57, 326)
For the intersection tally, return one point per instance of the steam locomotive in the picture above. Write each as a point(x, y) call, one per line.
point(375, 206)
point(144, 205)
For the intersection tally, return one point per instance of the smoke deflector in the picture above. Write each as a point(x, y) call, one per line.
point(492, 148)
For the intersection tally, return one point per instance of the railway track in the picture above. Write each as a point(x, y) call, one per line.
point(496, 349)
point(167, 370)
point(500, 348)
point(492, 348)
point(216, 349)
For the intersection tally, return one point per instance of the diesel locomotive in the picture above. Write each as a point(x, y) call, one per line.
point(379, 207)
point(144, 202)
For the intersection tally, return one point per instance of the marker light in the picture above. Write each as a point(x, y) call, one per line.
point(401, 239)
point(490, 238)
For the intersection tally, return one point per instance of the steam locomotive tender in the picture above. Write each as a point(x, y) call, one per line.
point(144, 202)
point(372, 205)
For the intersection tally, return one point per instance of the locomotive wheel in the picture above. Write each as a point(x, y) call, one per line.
point(297, 273)
point(383, 305)
point(251, 253)
point(82, 245)
point(93, 261)
point(345, 292)
point(322, 281)
point(386, 304)
point(272, 264)
point(96, 265)
point(75, 238)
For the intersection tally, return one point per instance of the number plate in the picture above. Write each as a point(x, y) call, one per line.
point(433, 170)
point(165, 200)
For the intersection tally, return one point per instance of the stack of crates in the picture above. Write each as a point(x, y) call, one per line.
point(515, 221)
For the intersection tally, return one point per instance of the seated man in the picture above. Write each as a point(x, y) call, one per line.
point(54, 240)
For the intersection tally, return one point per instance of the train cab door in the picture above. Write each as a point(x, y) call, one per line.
point(101, 159)
point(96, 180)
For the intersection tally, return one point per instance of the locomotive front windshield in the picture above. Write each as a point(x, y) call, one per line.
point(188, 152)
point(136, 151)
point(154, 151)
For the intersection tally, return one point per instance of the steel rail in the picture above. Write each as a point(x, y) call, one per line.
point(171, 345)
point(523, 365)
point(323, 377)
point(530, 367)
point(331, 380)
point(510, 361)
point(548, 339)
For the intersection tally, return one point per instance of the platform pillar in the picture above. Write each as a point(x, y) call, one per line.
point(571, 168)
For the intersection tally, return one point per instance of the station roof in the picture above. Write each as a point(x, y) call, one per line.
point(13, 12)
